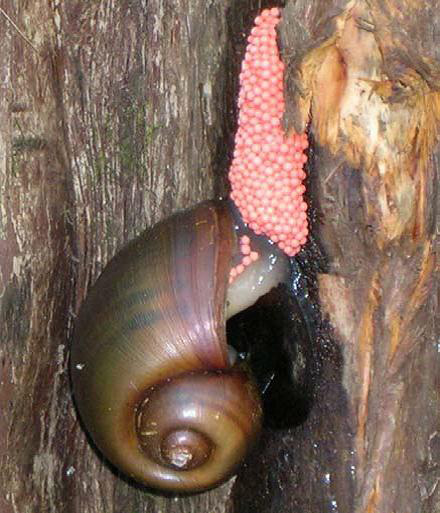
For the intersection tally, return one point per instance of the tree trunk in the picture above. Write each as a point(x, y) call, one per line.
point(113, 115)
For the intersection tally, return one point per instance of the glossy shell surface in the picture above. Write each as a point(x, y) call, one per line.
point(156, 317)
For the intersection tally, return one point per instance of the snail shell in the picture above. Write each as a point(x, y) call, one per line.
point(151, 375)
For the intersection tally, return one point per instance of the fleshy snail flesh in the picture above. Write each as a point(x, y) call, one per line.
point(154, 382)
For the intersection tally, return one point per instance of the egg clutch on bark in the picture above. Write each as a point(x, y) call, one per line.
point(155, 384)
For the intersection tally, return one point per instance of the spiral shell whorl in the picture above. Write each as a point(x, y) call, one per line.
point(204, 428)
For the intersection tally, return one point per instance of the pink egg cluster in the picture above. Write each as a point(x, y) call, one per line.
point(248, 256)
point(266, 174)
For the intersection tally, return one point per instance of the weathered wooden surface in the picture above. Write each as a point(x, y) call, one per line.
point(112, 115)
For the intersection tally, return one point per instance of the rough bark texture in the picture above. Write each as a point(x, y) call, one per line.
point(113, 114)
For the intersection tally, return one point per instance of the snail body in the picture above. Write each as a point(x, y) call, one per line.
point(152, 377)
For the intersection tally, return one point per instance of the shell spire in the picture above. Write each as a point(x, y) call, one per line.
point(267, 172)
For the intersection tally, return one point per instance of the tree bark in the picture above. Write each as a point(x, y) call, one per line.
point(113, 115)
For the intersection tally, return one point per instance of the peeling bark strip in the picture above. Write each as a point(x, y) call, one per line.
point(387, 126)
point(113, 114)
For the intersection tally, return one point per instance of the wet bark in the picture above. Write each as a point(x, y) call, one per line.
point(114, 114)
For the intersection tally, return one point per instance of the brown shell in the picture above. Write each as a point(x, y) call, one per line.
point(156, 316)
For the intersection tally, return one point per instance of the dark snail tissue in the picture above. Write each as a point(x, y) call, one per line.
point(274, 337)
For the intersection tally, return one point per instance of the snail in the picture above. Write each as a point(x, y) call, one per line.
point(156, 385)
point(154, 382)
